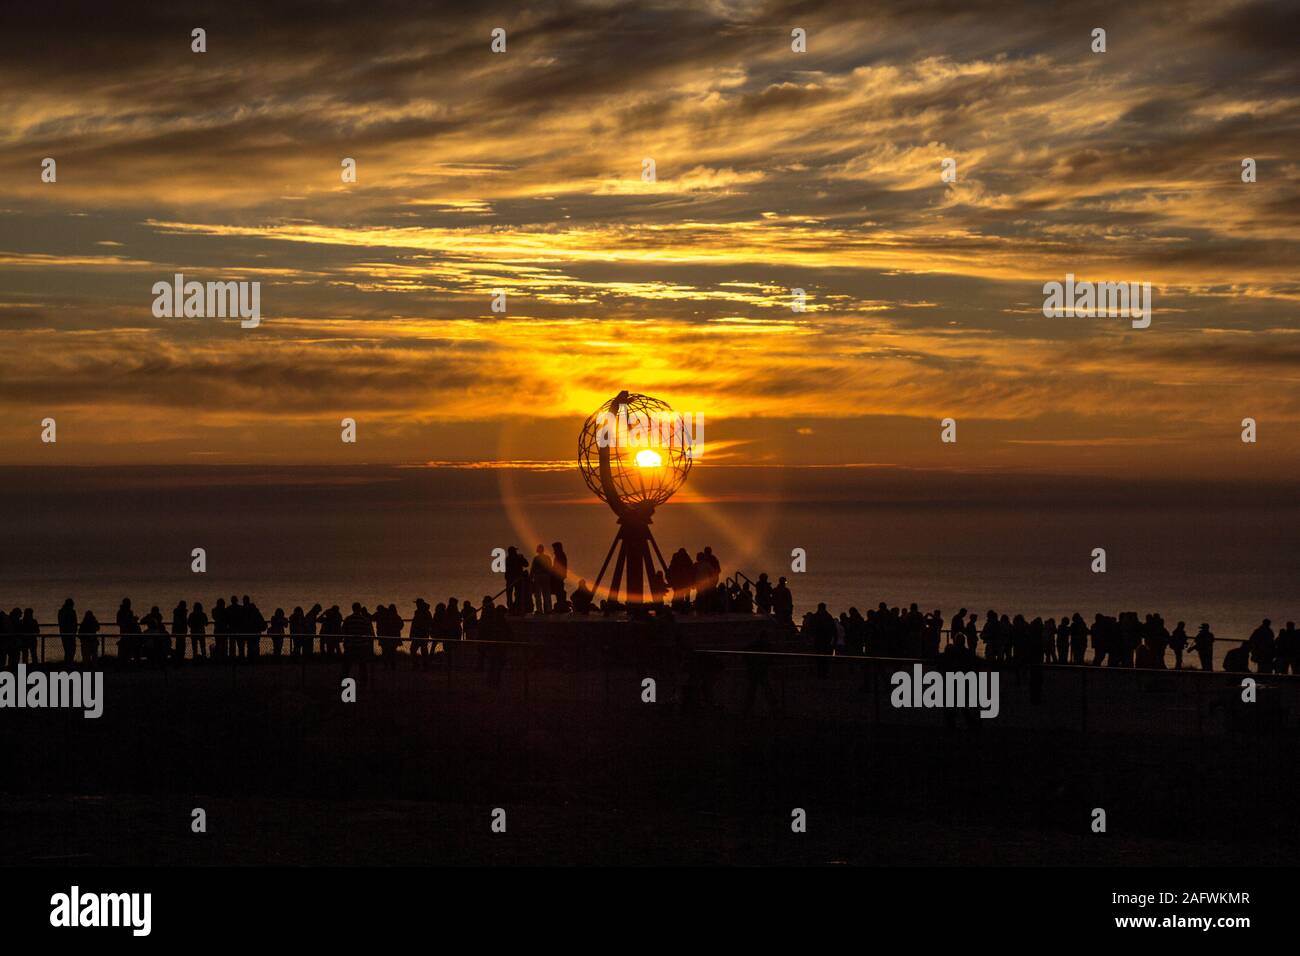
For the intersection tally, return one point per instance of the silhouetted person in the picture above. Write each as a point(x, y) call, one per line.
point(1261, 647)
point(559, 573)
point(1178, 643)
point(68, 630)
point(719, 600)
point(254, 625)
point(681, 579)
point(582, 598)
point(852, 631)
point(220, 630)
point(783, 602)
point(128, 627)
point(540, 575)
point(1062, 640)
point(1145, 657)
point(197, 623)
point(235, 622)
point(957, 628)
point(487, 630)
point(1100, 640)
point(309, 623)
point(823, 635)
point(745, 599)
point(440, 626)
point(1130, 637)
point(155, 640)
point(712, 559)
point(421, 631)
point(658, 587)
point(358, 643)
point(763, 594)
point(469, 621)
point(389, 628)
point(1204, 644)
point(701, 572)
point(297, 625)
point(88, 634)
point(992, 637)
point(1159, 636)
point(972, 633)
point(1154, 642)
point(1287, 658)
point(516, 580)
point(1048, 638)
point(276, 628)
point(31, 631)
point(180, 627)
point(331, 630)
point(1237, 660)
point(931, 626)
point(1007, 638)
point(452, 623)
point(1018, 640)
point(1078, 639)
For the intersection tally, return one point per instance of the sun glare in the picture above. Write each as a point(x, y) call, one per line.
point(648, 458)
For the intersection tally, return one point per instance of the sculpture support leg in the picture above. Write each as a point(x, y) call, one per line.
point(618, 571)
point(618, 536)
point(633, 543)
point(655, 544)
point(638, 556)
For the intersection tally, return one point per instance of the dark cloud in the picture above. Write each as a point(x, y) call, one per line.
point(476, 171)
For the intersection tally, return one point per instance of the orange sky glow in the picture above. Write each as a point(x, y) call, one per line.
point(522, 173)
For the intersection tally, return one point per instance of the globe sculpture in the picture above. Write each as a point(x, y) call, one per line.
point(633, 455)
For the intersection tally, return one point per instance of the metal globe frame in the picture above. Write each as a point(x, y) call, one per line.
point(630, 492)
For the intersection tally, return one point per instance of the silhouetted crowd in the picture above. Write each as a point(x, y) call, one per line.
point(539, 586)
point(235, 631)
point(1115, 641)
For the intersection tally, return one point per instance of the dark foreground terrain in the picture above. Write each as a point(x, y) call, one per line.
point(589, 773)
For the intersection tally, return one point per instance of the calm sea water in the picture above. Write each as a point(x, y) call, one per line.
point(1226, 554)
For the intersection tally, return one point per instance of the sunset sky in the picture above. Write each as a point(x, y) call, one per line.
point(521, 172)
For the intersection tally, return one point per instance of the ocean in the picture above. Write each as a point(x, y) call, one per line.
point(1224, 553)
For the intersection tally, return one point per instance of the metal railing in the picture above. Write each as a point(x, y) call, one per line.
point(313, 644)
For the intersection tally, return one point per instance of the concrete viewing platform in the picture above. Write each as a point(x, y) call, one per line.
point(688, 631)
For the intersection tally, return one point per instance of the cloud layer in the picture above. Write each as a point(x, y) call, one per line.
point(522, 173)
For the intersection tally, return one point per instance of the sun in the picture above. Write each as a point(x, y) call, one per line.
point(648, 458)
